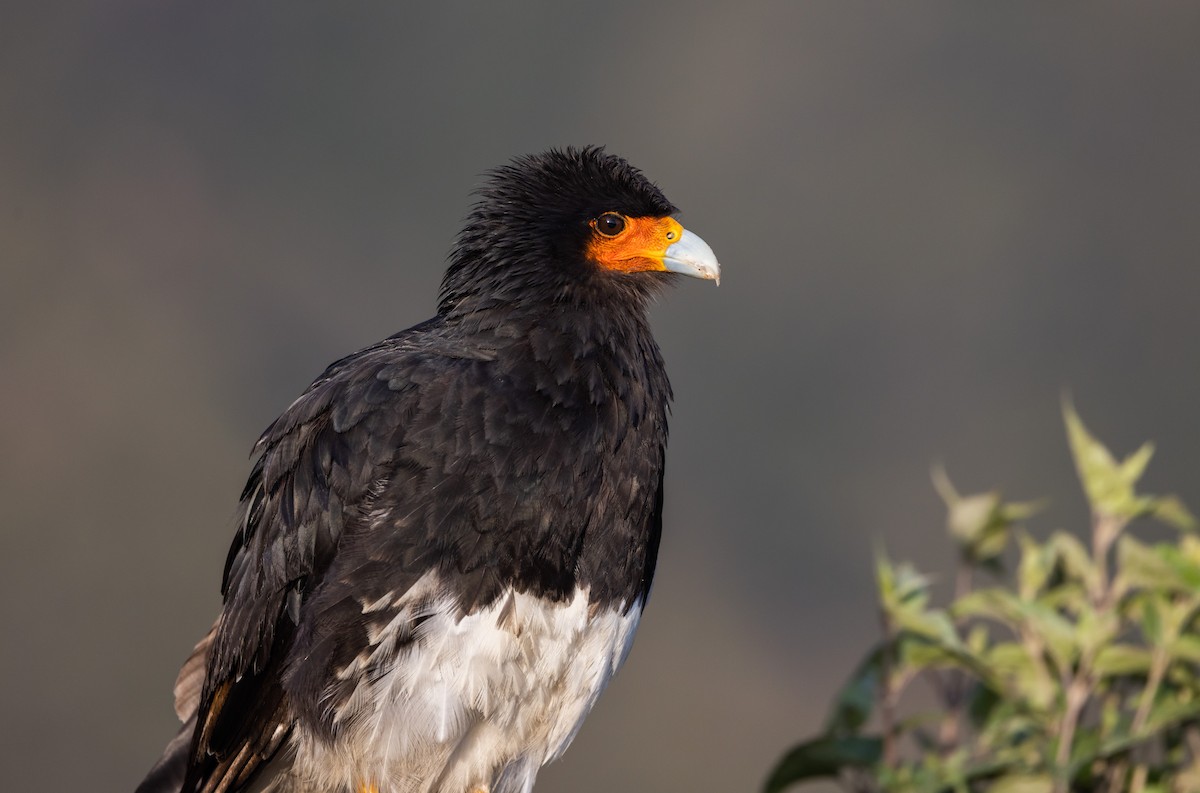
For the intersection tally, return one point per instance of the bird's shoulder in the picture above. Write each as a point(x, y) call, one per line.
point(319, 460)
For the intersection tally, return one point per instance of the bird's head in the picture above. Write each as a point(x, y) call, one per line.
point(569, 222)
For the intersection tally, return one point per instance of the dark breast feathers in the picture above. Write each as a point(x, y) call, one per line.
point(531, 461)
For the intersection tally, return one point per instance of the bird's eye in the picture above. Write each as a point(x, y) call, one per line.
point(610, 224)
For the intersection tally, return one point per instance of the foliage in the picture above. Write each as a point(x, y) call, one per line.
point(1079, 670)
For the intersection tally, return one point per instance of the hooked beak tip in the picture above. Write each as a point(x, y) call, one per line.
point(693, 257)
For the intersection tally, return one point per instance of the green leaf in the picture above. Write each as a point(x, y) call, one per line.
point(822, 758)
point(1168, 712)
point(981, 704)
point(1120, 660)
point(1067, 598)
point(1152, 624)
point(1170, 510)
point(1057, 633)
point(1094, 629)
point(1185, 567)
point(857, 697)
point(1158, 568)
point(1161, 586)
point(1110, 714)
point(917, 654)
point(1084, 748)
point(992, 603)
point(978, 638)
point(1035, 567)
point(1107, 490)
point(1074, 559)
point(981, 523)
point(1189, 548)
point(1139, 564)
point(1024, 676)
point(1110, 485)
point(971, 516)
point(1177, 613)
point(1186, 648)
point(934, 625)
point(1132, 468)
point(901, 587)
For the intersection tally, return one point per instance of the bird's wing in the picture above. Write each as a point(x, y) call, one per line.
point(313, 478)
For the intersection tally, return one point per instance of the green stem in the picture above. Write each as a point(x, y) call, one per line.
point(1105, 530)
point(1158, 668)
point(1077, 695)
point(887, 695)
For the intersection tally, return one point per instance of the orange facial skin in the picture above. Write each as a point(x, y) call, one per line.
point(639, 247)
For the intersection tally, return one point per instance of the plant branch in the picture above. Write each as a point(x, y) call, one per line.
point(1105, 530)
point(1077, 696)
point(953, 688)
point(1158, 667)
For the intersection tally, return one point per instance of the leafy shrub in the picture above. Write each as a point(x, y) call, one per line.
point(1079, 671)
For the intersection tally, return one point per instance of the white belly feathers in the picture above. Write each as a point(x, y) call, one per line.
point(478, 702)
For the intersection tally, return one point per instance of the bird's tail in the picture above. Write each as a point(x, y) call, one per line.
point(167, 774)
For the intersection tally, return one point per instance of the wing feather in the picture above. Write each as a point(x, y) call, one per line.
point(316, 469)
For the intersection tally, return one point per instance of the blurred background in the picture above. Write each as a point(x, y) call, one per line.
point(933, 220)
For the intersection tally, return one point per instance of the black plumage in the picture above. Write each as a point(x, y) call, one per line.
point(512, 445)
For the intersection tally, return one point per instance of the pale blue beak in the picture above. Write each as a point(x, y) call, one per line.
point(692, 256)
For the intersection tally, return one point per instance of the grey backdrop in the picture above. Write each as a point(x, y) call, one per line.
point(933, 218)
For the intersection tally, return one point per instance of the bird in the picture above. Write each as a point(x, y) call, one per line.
point(445, 544)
